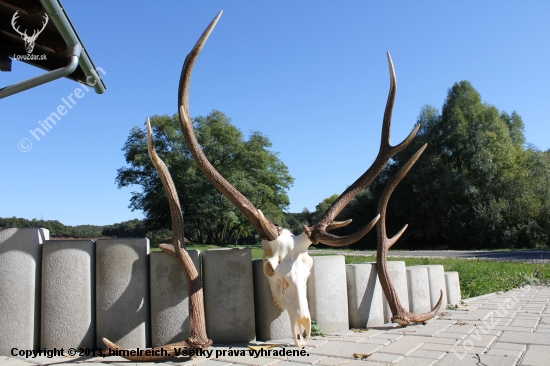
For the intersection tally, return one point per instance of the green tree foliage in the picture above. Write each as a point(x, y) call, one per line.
point(56, 228)
point(128, 229)
point(209, 217)
point(475, 186)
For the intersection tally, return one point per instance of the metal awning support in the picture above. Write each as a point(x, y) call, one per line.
point(76, 54)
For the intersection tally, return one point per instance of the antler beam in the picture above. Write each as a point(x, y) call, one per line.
point(266, 228)
point(198, 338)
point(400, 315)
point(318, 232)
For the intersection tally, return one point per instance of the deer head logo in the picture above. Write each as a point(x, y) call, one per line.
point(29, 40)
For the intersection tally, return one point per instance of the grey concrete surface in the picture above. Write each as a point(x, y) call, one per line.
point(436, 277)
point(271, 321)
point(452, 282)
point(327, 293)
point(418, 284)
point(169, 298)
point(228, 295)
point(398, 276)
point(20, 269)
point(365, 306)
point(122, 292)
point(68, 294)
point(480, 333)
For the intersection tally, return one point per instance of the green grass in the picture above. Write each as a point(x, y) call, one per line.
point(477, 277)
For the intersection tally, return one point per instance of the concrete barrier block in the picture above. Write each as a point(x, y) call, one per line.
point(398, 276)
point(327, 293)
point(453, 288)
point(418, 284)
point(20, 262)
point(228, 295)
point(271, 321)
point(68, 286)
point(169, 298)
point(122, 291)
point(365, 306)
point(436, 275)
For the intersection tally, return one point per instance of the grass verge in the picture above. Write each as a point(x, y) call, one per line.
point(477, 277)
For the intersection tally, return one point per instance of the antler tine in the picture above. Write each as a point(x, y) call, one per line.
point(46, 18)
point(198, 338)
point(400, 315)
point(13, 20)
point(170, 189)
point(318, 231)
point(266, 229)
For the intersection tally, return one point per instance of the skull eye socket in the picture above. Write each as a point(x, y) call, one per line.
point(268, 269)
point(268, 252)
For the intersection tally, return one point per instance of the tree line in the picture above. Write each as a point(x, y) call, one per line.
point(477, 185)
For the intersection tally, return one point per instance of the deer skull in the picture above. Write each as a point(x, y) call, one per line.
point(287, 268)
point(29, 40)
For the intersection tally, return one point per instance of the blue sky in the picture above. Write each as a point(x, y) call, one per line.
point(311, 75)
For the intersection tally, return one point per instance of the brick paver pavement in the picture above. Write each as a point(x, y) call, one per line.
point(507, 328)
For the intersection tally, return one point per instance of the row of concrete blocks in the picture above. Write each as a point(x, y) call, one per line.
point(72, 293)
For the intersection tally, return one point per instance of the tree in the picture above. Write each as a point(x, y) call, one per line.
point(475, 186)
point(210, 218)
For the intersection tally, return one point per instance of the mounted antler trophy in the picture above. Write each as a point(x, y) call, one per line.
point(286, 262)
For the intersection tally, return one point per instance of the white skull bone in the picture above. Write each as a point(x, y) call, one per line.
point(287, 267)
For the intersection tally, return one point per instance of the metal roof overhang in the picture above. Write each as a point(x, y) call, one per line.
point(65, 54)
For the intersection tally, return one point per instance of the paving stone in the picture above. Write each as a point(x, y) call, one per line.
point(389, 336)
point(368, 334)
point(457, 336)
point(385, 357)
point(380, 341)
point(477, 315)
point(403, 346)
point(311, 359)
point(452, 359)
point(438, 347)
point(536, 355)
point(425, 353)
point(417, 361)
point(431, 330)
point(434, 340)
point(523, 337)
point(5, 361)
point(505, 345)
point(344, 349)
point(347, 362)
point(477, 339)
point(527, 323)
point(344, 339)
point(505, 352)
point(206, 363)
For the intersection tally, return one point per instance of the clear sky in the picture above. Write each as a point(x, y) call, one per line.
point(311, 75)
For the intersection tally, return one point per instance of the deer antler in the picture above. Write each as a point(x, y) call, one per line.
point(400, 315)
point(318, 232)
point(198, 338)
point(265, 227)
point(13, 20)
point(37, 32)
